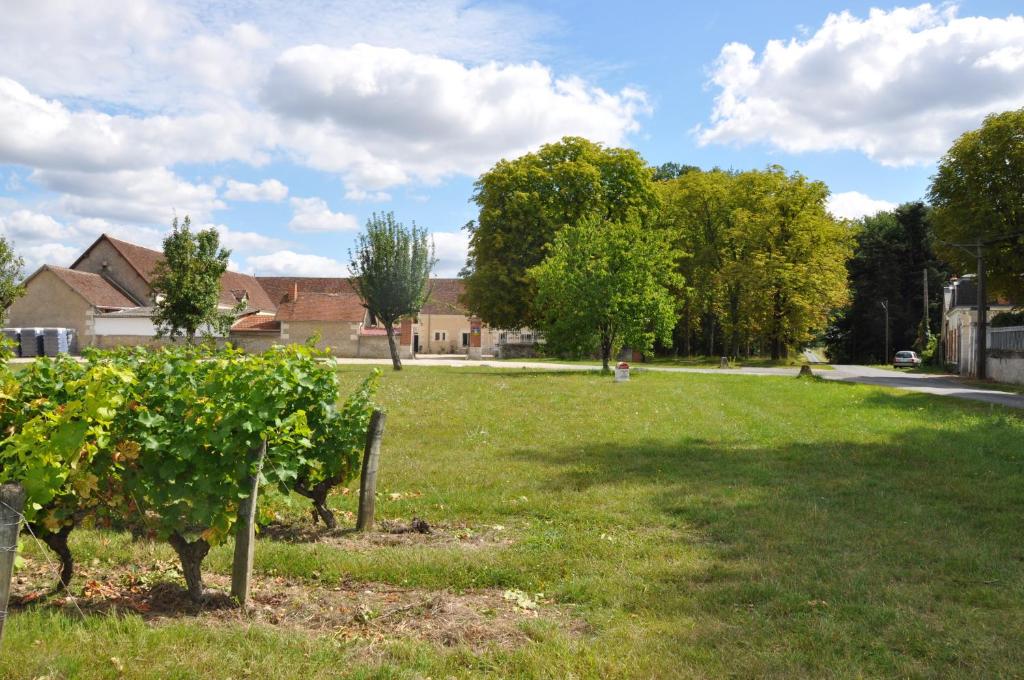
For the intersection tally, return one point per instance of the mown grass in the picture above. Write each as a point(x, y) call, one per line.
point(701, 526)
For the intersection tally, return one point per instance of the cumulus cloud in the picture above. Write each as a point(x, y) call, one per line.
point(313, 215)
point(150, 196)
point(898, 86)
point(851, 205)
point(270, 190)
point(382, 116)
point(450, 249)
point(290, 263)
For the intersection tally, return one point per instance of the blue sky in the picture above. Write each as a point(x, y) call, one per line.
point(285, 125)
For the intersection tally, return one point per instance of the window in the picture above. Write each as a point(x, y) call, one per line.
point(440, 335)
point(465, 339)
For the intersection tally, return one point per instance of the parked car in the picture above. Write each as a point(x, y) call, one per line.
point(906, 359)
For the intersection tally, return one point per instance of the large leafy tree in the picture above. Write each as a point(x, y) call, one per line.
point(978, 195)
point(526, 201)
point(891, 253)
point(605, 284)
point(11, 274)
point(765, 262)
point(187, 283)
point(390, 270)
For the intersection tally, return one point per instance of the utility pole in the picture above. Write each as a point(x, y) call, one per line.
point(924, 302)
point(982, 340)
point(885, 305)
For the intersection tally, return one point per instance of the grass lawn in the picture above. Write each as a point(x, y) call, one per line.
point(678, 525)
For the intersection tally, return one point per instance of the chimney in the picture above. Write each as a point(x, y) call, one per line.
point(295, 291)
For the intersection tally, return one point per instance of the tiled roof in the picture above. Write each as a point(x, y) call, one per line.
point(280, 288)
point(322, 307)
point(256, 323)
point(232, 284)
point(444, 297)
point(93, 287)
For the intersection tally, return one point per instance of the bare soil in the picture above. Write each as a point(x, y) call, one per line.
point(356, 611)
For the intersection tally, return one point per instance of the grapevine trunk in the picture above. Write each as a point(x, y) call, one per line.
point(191, 555)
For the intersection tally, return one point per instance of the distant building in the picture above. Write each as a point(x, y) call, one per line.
point(107, 297)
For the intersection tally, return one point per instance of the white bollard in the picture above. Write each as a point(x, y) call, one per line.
point(621, 372)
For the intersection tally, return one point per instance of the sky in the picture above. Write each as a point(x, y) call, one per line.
point(285, 125)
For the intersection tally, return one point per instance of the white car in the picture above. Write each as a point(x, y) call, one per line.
point(906, 359)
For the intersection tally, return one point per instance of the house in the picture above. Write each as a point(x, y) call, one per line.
point(960, 323)
point(107, 296)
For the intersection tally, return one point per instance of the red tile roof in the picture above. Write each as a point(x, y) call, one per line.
point(96, 290)
point(256, 323)
point(322, 307)
point(280, 288)
point(444, 297)
point(232, 284)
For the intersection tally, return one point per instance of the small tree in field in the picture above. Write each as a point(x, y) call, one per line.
point(187, 283)
point(605, 284)
point(390, 270)
point(10, 277)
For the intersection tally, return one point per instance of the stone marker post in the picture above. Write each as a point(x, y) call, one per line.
point(12, 502)
point(245, 534)
point(368, 477)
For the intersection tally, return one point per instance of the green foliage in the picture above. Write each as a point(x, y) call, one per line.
point(892, 249)
point(10, 277)
point(1005, 319)
point(671, 170)
point(187, 283)
point(978, 194)
point(390, 269)
point(167, 440)
point(604, 284)
point(55, 447)
point(525, 202)
point(765, 264)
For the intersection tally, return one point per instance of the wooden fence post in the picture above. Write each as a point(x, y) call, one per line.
point(12, 503)
point(245, 534)
point(368, 477)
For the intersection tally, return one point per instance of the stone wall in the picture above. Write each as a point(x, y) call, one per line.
point(376, 347)
point(516, 351)
point(50, 302)
point(1005, 366)
point(342, 337)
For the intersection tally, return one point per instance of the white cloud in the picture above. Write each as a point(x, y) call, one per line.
point(150, 196)
point(246, 241)
point(313, 215)
point(270, 190)
point(898, 86)
point(385, 116)
point(450, 249)
point(850, 205)
point(289, 263)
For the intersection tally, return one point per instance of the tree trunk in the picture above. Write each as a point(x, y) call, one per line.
point(606, 354)
point(396, 361)
point(191, 556)
point(318, 495)
point(58, 543)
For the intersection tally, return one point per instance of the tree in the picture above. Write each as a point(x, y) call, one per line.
point(892, 250)
point(390, 269)
point(186, 284)
point(11, 275)
point(525, 202)
point(978, 195)
point(671, 170)
point(604, 284)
